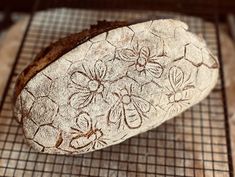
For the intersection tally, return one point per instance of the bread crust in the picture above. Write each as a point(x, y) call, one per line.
point(116, 85)
point(59, 48)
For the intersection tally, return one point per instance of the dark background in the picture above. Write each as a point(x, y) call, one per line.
point(186, 6)
point(203, 8)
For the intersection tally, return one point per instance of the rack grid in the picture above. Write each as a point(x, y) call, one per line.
point(195, 143)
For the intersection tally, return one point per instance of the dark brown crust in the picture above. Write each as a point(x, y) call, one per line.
point(59, 48)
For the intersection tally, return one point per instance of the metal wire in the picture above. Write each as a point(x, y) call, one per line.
point(195, 143)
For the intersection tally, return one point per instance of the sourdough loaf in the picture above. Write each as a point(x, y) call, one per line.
point(104, 85)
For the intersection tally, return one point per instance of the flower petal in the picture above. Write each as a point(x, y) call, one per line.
point(79, 78)
point(100, 69)
point(80, 99)
point(154, 69)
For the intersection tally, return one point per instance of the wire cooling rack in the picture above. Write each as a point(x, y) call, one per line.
point(196, 143)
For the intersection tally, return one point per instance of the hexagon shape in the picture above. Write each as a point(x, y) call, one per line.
point(100, 51)
point(43, 111)
point(98, 38)
point(146, 39)
point(174, 49)
point(120, 37)
point(141, 27)
point(209, 60)
point(78, 53)
point(23, 105)
point(51, 72)
point(47, 136)
point(39, 86)
point(30, 128)
point(193, 54)
point(60, 90)
point(166, 28)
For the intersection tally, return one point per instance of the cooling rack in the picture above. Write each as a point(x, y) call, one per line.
point(196, 143)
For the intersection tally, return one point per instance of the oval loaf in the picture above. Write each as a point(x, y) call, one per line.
point(104, 85)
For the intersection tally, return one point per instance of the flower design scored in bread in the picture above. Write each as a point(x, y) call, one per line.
point(102, 86)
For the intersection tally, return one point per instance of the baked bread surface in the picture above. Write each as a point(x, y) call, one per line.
point(102, 86)
point(60, 47)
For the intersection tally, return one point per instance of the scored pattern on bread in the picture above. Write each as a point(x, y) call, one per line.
point(113, 86)
point(59, 48)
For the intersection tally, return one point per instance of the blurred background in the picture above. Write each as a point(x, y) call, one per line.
point(208, 17)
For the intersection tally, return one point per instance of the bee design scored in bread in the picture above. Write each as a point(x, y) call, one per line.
point(89, 84)
point(129, 108)
point(180, 90)
point(87, 137)
point(102, 89)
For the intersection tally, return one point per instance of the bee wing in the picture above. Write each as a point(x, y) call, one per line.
point(154, 68)
point(174, 108)
point(99, 144)
point(100, 69)
point(132, 116)
point(143, 105)
point(176, 77)
point(81, 98)
point(128, 55)
point(83, 122)
point(80, 142)
point(115, 113)
point(79, 78)
point(145, 53)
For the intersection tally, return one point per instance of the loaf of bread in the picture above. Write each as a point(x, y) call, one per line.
point(97, 88)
